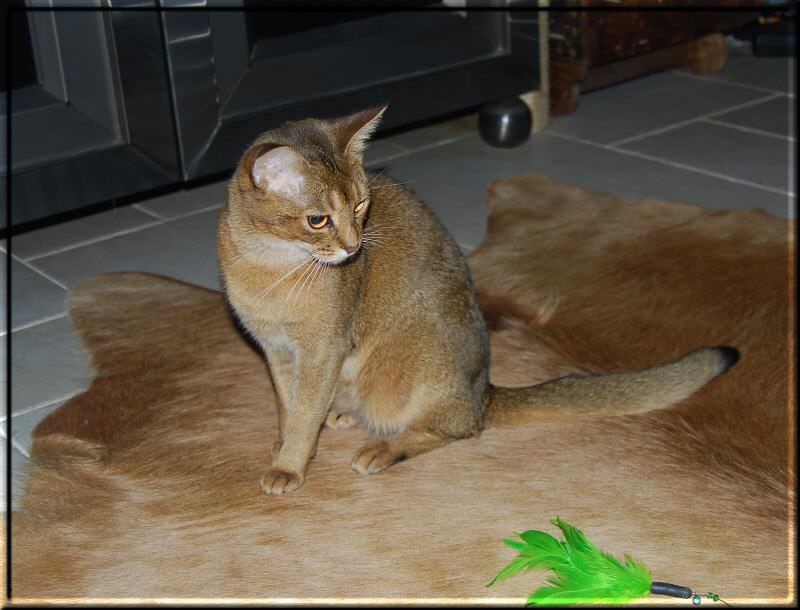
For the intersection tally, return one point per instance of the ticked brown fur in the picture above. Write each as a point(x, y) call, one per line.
point(374, 318)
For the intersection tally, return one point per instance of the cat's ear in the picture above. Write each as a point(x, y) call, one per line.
point(357, 129)
point(277, 169)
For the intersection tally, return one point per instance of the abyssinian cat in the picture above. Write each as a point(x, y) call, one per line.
point(364, 307)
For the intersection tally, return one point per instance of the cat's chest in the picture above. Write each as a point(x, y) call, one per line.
point(261, 319)
point(260, 295)
point(283, 318)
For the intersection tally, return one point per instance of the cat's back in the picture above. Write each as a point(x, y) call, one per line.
point(415, 268)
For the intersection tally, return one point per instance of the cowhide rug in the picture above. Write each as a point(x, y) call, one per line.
point(146, 486)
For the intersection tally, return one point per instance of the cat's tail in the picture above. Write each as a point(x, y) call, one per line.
point(583, 397)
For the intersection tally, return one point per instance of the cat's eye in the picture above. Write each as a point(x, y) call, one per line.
point(317, 222)
point(360, 206)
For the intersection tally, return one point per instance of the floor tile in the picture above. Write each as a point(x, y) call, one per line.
point(459, 199)
point(434, 133)
point(458, 202)
point(184, 249)
point(186, 201)
point(774, 116)
point(645, 104)
point(33, 297)
point(774, 73)
point(48, 363)
point(744, 155)
point(22, 425)
point(77, 231)
point(379, 149)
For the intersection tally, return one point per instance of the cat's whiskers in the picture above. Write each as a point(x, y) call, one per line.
point(308, 291)
point(386, 186)
point(372, 226)
point(309, 267)
point(370, 243)
point(310, 275)
point(375, 177)
point(376, 234)
point(368, 234)
point(321, 265)
point(279, 280)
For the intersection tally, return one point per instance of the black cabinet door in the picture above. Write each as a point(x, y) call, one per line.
point(92, 120)
point(262, 67)
point(120, 99)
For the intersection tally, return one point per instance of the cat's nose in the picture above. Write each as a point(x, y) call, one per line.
point(350, 249)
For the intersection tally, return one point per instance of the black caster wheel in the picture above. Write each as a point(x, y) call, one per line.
point(505, 123)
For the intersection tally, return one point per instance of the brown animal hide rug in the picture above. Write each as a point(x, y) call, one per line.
point(146, 485)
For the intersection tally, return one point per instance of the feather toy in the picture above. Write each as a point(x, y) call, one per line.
point(582, 573)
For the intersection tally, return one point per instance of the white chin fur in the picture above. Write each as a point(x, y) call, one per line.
point(270, 251)
point(341, 256)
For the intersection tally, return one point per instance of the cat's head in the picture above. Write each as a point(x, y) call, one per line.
point(301, 190)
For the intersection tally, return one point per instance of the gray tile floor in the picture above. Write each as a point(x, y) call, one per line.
point(724, 141)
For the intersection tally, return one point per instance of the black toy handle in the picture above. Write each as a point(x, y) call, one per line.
point(665, 588)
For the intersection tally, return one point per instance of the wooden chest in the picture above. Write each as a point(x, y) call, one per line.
point(594, 43)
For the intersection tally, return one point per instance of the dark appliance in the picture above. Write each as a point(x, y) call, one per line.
point(119, 102)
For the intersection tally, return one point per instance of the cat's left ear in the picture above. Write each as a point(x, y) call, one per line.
point(356, 129)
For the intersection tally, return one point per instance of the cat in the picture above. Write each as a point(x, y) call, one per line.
point(365, 310)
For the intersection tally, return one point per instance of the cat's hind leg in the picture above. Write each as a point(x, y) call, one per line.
point(340, 421)
point(345, 408)
point(381, 453)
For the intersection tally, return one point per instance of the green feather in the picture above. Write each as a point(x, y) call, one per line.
point(582, 574)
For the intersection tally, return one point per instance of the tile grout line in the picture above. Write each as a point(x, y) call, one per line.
point(427, 147)
point(690, 168)
point(735, 84)
point(144, 210)
point(216, 206)
point(39, 271)
point(706, 172)
point(397, 147)
point(40, 405)
point(39, 321)
point(89, 242)
point(15, 443)
point(759, 132)
point(122, 233)
point(708, 115)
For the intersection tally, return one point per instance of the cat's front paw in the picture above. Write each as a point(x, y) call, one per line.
point(278, 481)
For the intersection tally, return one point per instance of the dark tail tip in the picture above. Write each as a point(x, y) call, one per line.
point(729, 355)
